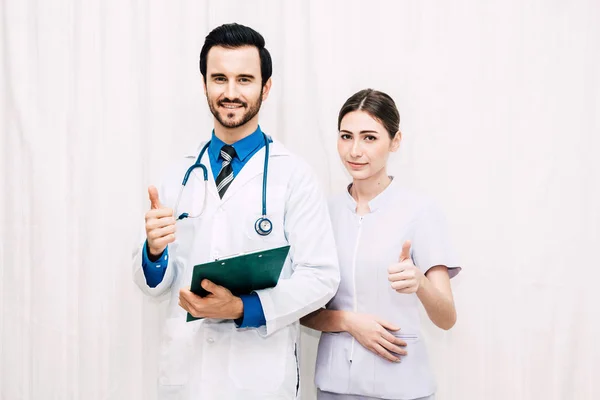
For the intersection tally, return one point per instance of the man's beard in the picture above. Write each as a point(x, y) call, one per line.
point(247, 116)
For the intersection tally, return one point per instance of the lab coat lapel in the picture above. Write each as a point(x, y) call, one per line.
point(253, 167)
point(199, 174)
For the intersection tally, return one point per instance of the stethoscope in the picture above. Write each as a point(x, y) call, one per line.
point(263, 225)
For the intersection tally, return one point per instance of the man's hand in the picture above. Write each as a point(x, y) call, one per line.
point(373, 333)
point(405, 276)
point(220, 303)
point(160, 225)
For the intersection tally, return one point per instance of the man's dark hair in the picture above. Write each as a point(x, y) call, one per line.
point(232, 36)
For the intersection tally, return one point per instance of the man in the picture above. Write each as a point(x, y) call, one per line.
point(243, 347)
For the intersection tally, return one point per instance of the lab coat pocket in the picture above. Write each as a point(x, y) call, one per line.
point(275, 214)
point(258, 363)
point(175, 353)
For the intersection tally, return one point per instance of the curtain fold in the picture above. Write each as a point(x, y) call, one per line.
point(500, 114)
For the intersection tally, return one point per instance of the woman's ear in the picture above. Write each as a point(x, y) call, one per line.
point(395, 145)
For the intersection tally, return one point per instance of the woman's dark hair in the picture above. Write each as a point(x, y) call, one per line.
point(232, 36)
point(378, 105)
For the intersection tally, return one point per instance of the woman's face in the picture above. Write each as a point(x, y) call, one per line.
point(364, 145)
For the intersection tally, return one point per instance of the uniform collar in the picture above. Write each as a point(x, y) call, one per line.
point(275, 149)
point(243, 147)
point(378, 201)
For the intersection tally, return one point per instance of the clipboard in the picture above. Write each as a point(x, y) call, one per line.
point(242, 273)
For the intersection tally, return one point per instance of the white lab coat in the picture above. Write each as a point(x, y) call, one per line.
point(367, 245)
point(213, 359)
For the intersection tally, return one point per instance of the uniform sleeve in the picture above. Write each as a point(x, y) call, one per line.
point(254, 316)
point(431, 245)
point(155, 279)
point(154, 271)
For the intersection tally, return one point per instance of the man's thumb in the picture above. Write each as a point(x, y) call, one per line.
point(153, 195)
point(208, 286)
point(405, 255)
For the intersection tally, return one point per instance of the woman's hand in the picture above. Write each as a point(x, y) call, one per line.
point(404, 275)
point(433, 289)
point(373, 334)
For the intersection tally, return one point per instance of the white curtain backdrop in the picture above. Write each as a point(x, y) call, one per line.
point(500, 106)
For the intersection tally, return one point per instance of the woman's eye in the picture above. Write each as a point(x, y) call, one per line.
point(370, 138)
point(345, 136)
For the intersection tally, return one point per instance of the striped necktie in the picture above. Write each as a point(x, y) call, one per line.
point(225, 176)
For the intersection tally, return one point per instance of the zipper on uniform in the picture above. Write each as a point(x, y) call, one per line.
point(297, 369)
point(355, 300)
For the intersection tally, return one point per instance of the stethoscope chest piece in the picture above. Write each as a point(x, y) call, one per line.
point(263, 226)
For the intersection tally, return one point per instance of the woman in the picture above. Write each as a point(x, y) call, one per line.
point(394, 253)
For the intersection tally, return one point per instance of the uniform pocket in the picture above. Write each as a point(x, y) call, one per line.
point(411, 378)
point(333, 365)
point(407, 337)
point(325, 348)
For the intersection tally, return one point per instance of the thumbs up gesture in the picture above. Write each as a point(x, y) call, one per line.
point(160, 225)
point(404, 276)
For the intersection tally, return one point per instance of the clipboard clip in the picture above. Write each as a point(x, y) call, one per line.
point(237, 255)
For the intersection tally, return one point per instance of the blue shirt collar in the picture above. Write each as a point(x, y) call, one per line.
point(243, 147)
